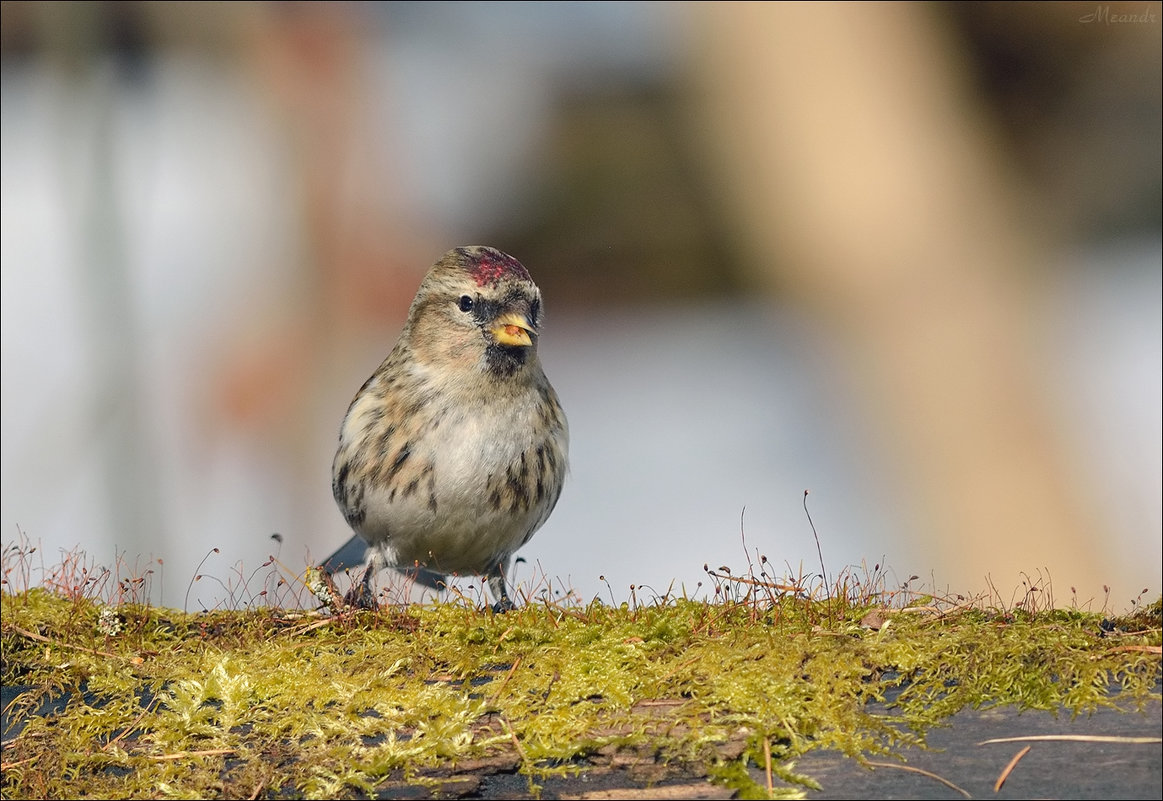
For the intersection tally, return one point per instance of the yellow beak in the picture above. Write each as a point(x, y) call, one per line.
point(513, 330)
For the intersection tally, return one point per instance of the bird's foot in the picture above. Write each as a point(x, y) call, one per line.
point(361, 595)
point(503, 605)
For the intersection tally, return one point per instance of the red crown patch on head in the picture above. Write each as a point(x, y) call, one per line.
point(488, 266)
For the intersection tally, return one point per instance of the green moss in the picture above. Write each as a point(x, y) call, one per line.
point(281, 703)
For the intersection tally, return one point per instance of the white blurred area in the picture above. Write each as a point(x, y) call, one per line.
point(214, 217)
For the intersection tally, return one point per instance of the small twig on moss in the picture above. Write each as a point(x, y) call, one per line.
point(41, 638)
point(1076, 738)
point(516, 742)
point(504, 683)
point(318, 624)
point(937, 611)
point(184, 754)
point(768, 585)
point(680, 666)
point(149, 707)
point(1147, 649)
point(921, 771)
point(767, 763)
point(1009, 768)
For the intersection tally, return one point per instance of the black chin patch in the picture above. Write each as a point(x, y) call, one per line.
point(504, 360)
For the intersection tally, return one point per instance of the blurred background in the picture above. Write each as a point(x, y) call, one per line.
point(904, 256)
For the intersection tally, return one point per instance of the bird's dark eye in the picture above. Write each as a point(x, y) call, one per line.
point(465, 303)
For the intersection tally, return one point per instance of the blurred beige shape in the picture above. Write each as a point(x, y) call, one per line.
point(864, 181)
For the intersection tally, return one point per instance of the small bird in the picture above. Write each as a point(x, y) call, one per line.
point(454, 452)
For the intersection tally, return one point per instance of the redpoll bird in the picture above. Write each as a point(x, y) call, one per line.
point(454, 452)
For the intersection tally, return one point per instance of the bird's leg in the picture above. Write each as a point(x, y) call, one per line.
point(497, 587)
point(362, 595)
